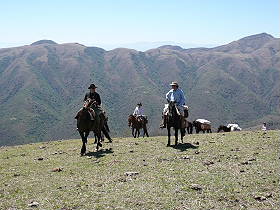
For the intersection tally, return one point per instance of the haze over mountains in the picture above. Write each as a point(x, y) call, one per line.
point(43, 84)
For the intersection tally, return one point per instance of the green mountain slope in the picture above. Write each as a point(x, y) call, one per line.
point(42, 85)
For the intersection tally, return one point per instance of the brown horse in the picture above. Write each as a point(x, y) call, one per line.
point(174, 120)
point(85, 124)
point(202, 127)
point(136, 124)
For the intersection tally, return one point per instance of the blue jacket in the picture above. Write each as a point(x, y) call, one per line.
point(177, 96)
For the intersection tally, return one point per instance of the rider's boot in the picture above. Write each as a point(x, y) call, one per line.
point(163, 124)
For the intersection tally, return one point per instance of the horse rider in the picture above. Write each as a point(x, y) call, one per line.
point(96, 106)
point(139, 113)
point(176, 95)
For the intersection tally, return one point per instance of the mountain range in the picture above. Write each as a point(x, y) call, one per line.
point(42, 85)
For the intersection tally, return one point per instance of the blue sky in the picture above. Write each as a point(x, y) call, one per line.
point(114, 23)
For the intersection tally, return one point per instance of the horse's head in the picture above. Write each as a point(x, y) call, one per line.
point(173, 111)
point(131, 118)
point(220, 128)
point(196, 123)
point(171, 104)
point(83, 115)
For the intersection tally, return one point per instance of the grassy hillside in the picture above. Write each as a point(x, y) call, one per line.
point(238, 170)
point(42, 85)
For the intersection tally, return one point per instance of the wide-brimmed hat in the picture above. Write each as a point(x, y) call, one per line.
point(174, 84)
point(140, 104)
point(92, 86)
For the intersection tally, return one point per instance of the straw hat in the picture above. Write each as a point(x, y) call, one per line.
point(174, 84)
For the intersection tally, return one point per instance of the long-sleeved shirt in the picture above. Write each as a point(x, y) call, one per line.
point(177, 96)
point(138, 111)
point(95, 96)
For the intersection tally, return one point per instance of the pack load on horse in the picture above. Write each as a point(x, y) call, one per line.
point(175, 112)
point(234, 127)
point(92, 118)
point(138, 121)
point(202, 125)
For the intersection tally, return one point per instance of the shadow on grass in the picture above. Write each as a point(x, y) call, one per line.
point(184, 146)
point(100, 153)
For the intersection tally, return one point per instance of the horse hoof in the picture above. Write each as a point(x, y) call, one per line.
point(168, 145)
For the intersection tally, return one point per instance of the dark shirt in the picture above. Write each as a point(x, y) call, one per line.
point(94, 96)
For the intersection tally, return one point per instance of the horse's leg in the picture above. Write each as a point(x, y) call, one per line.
point(86, 135)
point(134, 132)
point(95, 139)
point(84, 140)
point(138, 131)
point(98, 134)
point(145, 131)
point(176, 136)
point(102, 137)
point(182, 134)
point(168, 131)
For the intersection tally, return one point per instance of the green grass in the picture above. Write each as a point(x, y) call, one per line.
point(233, 169)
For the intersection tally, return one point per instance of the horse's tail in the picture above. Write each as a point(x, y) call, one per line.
point(106, 126)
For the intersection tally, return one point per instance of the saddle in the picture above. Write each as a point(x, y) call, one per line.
point(142, 119)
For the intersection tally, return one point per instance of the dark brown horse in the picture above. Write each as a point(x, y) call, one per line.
point(136, 124)
point(85, 124)
point(224, 128)
point(174, 120)
point(105, 132)
point(202, 127)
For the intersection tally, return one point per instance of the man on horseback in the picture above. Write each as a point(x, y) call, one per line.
point(176, 95)
point(93, 95)
point(96, 106)
point(139, 113)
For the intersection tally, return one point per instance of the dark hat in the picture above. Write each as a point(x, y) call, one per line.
point(140, 104)
point(92, 86)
